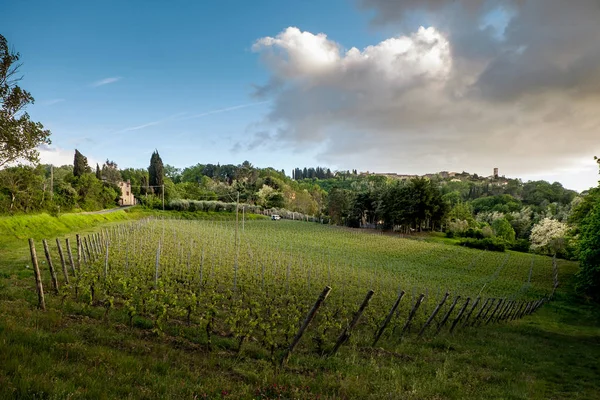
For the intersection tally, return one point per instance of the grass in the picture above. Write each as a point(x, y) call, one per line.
point(70, 351)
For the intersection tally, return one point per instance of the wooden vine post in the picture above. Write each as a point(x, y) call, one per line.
point(460, 314)
point(433, 314)
point(79, 251)
point(38, 276)
point(388, 318)
point(445, 319)
point(471, 311)
point(345, 335)
point(50, 266)
point(478, 321)
point(307, 321)
point(70, 254)
point(62, 261)
point(412, 314)
point(480, 311)
point(491, 317)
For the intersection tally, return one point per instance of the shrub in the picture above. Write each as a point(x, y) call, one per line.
point(473, 233)
point(521, 245)
point(491, 244)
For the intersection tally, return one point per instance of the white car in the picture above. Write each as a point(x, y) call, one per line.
point(275, 217)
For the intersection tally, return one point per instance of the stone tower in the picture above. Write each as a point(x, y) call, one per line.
point(495, 173)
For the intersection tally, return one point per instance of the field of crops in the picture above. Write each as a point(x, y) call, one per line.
point(190, 279)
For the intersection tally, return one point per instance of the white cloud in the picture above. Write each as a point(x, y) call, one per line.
point(58, 156)
point(452, 98)
point(106, 81)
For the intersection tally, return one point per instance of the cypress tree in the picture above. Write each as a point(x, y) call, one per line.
point(98, 173)
point(156, 173)
point(80, 164)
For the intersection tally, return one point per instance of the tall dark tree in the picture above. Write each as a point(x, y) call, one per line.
point(98, 172)
point(156, 173)
point(80, 164)
point(19, 136)
point(110, 172)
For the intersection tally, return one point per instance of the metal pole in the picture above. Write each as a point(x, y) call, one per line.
point(163, 196)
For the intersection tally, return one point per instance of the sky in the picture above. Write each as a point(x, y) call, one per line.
point(408, 86)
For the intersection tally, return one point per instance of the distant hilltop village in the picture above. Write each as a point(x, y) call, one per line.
point(452, 176)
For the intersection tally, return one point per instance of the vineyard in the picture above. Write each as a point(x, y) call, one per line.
point(256, 283)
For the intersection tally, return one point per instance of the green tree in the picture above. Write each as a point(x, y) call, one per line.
point(503, 229)
point(110, 172)
point(98, 172)
point(19, 136)
point(173, 173)
point(156, 173)
point(589, 254)
point(80, 164)
point(589, 249)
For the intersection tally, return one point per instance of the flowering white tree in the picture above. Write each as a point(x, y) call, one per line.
point(548, 236)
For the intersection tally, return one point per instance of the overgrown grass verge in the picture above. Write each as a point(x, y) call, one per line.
point(40, 226)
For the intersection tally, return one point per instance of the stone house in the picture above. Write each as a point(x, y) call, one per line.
point(127, 198)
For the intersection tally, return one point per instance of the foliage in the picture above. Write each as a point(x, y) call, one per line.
point(521, 245)
point(19, 136)
point(589, 254)
point(548, 236)
point(501, 203)
point(80, 165)
point(110, 172)
point(491, 244)
point(503, 229)
point(156, 173)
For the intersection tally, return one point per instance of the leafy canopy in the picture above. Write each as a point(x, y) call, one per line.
point(19, 136)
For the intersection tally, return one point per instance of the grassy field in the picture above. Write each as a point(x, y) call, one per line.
point(77, 350)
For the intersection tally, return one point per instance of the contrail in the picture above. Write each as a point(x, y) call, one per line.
point(222, 110)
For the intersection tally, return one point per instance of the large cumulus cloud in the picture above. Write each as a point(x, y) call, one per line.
point(513, 84)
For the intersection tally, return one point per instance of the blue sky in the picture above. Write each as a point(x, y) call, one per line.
point(101, 71)
point(118, 79)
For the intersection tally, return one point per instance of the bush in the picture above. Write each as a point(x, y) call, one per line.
point(491, 244)
point(521, 245)
point(473, 233)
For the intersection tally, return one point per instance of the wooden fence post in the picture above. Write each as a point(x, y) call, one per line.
point(412, 314)
point(62, 261)
point(445, 319)
point(50, 266)
point(516, 311)
point(79, 251)
point(307, 321)
point(345, 335)
point(87, 251)
point(480, 311)
point(388, 318)
point(526, 311)
point(460, 313)
point(471, 311)
point(487, 311)
point(37, 275)
point(494, 312)
point(502, 314)
point(433, 314)
point(70, 254)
